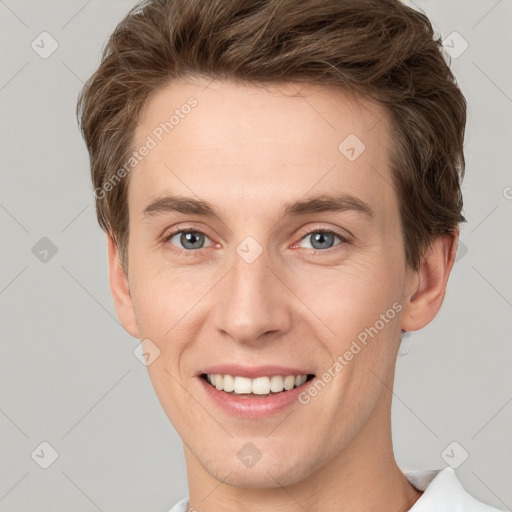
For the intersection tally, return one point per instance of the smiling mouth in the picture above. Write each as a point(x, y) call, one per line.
point(258, 387)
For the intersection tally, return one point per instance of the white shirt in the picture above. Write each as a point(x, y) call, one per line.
point(442, 493)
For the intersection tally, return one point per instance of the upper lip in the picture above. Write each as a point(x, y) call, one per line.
point(253, 371)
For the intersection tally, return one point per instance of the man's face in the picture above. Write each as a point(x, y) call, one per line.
point(260, 288)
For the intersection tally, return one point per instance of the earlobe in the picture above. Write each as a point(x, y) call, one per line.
point(120, 290)
point(424, 301)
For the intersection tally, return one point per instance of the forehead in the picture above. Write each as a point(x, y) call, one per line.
point(225, 141)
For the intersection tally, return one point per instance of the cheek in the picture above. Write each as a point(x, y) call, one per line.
point(169, 304)
point(358, 324)
point(348, 298)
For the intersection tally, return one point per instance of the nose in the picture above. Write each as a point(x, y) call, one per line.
point(254, 302)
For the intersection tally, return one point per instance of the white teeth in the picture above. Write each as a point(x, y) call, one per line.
point(261, 386)
point(257, 386)
point(276, 383)
point(300, 379)
point(242, 384)
point(228, 383)
point(289, 382)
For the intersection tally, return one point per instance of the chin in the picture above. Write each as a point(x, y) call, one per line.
point(266, 473)
point(259, 478)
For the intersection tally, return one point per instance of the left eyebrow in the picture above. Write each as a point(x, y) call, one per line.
point(329, 203)
point(315, 204)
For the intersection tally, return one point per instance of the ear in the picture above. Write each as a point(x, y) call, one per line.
point(120, 290)
point(428, 283)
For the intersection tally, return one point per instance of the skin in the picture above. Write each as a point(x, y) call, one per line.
point(249, 150)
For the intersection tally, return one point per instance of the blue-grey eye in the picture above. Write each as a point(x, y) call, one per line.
point(190, 240)
point(322, 239)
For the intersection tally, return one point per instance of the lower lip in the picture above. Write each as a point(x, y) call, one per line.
point(253, 407)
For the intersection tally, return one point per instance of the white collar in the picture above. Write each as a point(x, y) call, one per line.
point(443, 492)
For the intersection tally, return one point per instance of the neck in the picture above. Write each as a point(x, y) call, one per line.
point(363, 477)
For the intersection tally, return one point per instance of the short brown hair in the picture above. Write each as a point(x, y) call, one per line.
point(380, 49)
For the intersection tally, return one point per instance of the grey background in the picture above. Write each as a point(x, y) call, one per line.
point(68, 373)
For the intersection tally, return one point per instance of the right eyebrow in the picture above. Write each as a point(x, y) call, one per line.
point(180, 204)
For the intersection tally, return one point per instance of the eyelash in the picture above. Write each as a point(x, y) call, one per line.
point(192, 253)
